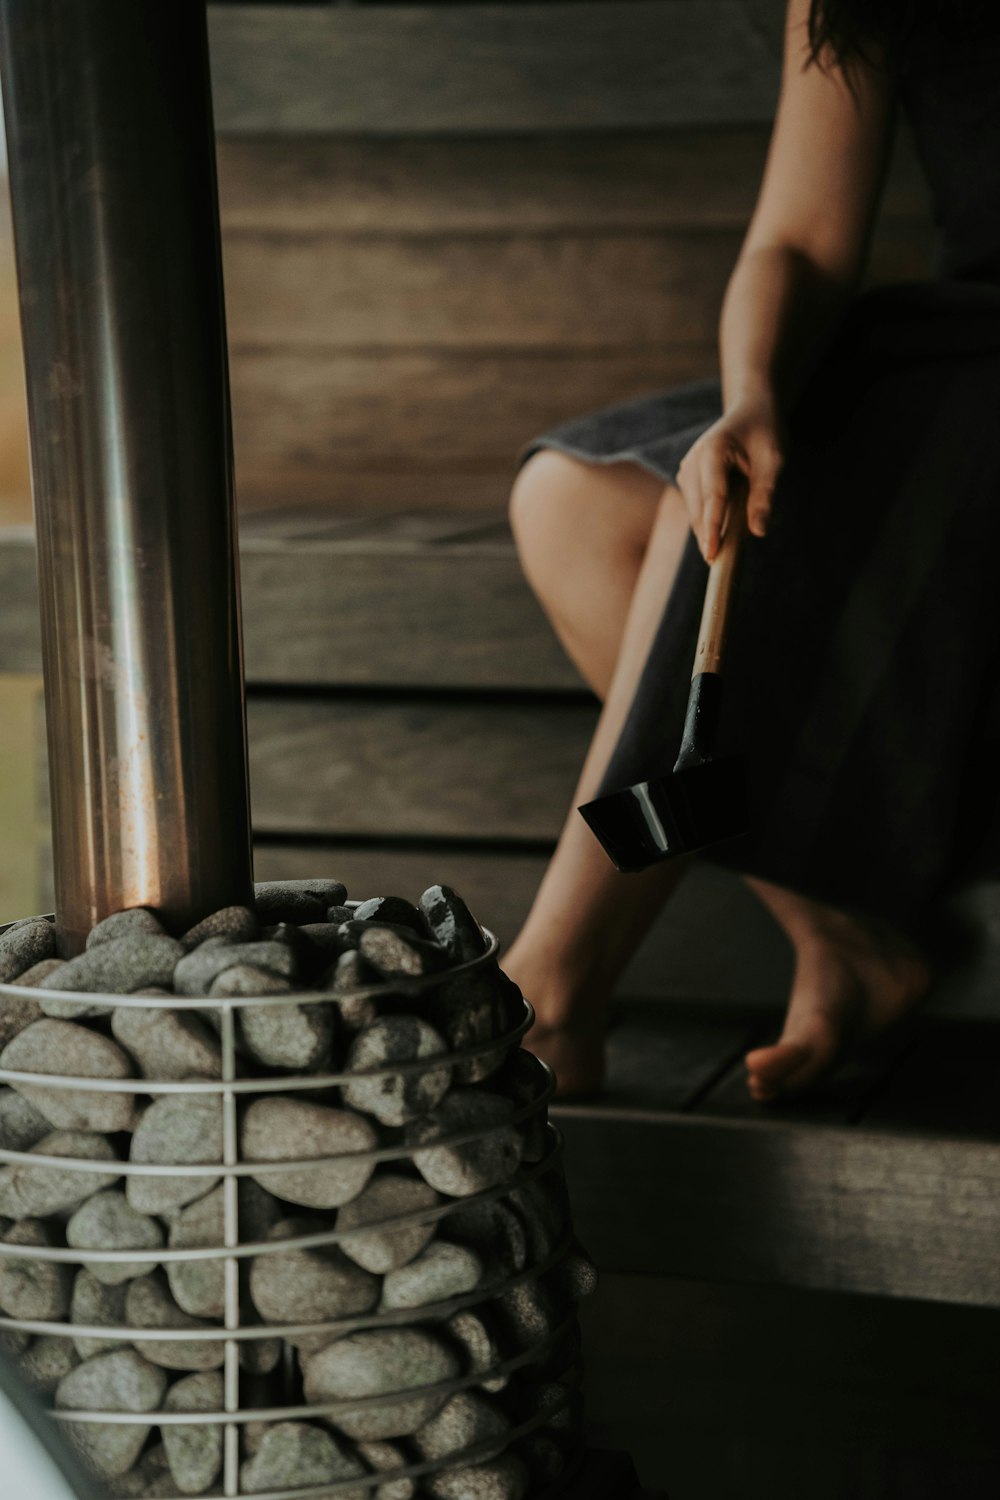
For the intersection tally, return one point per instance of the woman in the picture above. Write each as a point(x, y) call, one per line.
point(862, 430)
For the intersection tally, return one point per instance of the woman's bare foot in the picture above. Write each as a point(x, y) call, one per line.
point(853, 979)
point(572, 1013)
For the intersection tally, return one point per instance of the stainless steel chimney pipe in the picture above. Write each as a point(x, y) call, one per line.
point(112, 176)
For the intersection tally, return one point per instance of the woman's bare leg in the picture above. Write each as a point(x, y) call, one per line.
point(601, 547)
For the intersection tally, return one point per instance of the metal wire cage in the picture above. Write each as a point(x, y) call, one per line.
point(534, 1359)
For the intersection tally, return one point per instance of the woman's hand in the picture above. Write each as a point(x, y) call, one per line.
point(740, 453)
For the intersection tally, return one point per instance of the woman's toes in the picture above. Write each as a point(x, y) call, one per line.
point(788, 1066)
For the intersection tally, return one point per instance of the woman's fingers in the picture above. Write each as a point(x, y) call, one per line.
point(714, 474)
point(765, 466)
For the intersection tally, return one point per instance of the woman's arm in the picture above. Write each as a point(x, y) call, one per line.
point(801, 261)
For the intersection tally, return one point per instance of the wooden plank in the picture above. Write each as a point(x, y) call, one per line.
point(947, 1085)
point(791, 1205)
point(489, 68)
point(606, 290)
point(447, 769)
point(262, 488)
point(877, 1399)
point(696, 178)
point(662, 1056)
point(513, 291)
point(427, 410)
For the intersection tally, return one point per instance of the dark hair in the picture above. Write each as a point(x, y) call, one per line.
point(843, 31)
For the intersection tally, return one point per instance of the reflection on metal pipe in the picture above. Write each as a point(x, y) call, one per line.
point(115, 212)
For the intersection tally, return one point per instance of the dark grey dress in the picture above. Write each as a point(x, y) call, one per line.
point(864, 676)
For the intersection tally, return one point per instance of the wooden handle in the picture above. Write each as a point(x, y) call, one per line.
point(711, 649)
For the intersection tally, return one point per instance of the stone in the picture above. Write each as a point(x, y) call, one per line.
point(199, 1286)
point(281, 901)
point(392, 910)
point(387, 1196)
point(37, 977)
point(503, 1478)
point(324, 937)
point(28, 1190)
point(198, 970)
point(299, 1037)
point(523, 1080)
point(526, 1315)
point(396, 953)
point(32, 1288)
point(135, 921)
point(396, 1097)
point(560, 1402)
point(352, 973)
point(178, 1129)
point(107, 1221)
point(471, 1010)
point(338, 914)
point(572, 1278)
point(311, 956)
point(119, 1381)
point(470, 1329)
point(48, 1360)
point(62, 1047)
point(21, 1124)
point(542, 1205)
point(24, 944)
point(495, 1231)
point(443, 1270)
point(277, 1129)
point(246, 980)
point(295, 1454)
point(194, 1453)
point(115, 967)
point(149, 1478)
point(168, 1044)
point(383, 1458)
point(452, 924)
point(465, 1421)
point(148, 1304)
point(471, 1166)
point(15, 1015)
point(377, 1362)
point(237, 924)
point(309, 1286)
point(333, 892)
point(95, 1305)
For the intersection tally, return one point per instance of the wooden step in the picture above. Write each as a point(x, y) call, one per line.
point(886, 1180)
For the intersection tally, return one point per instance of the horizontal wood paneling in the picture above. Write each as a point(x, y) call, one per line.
point(490, 68)
point(772, 1204)
point(334, 414)
point(695, 178)
point(446, 769)
point(610, 291)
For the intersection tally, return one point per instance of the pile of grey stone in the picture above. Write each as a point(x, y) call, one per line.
point(452, 1262)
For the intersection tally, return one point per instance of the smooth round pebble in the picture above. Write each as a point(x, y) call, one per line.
point(198, 970)
point(471, 1010)
point(387, 1196)
point(36, 977)
point(115, 967)
point(148, 1304)
point(441, 1271)
point(283, 1129)
point(61, 1047)
point(349, 974)
point(194, 1453)
point(496, 1232)
point(46, 1362)
point(135, 921)
point(382, 1458)
point(148, 1479)
point(397, 953)
point(30, 1288)
point(199, 1286)
point(15, 1015)
point(24, 944)
point(107, 1221)
point(376, 1362)
point(471, 1166)
point(27, 1190)
point(168, 1043)
point(95, 1305)
point(299, 1037)
point(463, 1422)
point(503, 1478)
point(452, 924)
point(471, 1331)
point(21, 1124)
point(396, 1097)
point(175, 1129)
point(119, 1381)
point(275, 901)
point(295, 1454)
point(393, 910)
point(523, 1080)
point(526, 1315)
point(237, 924)
point(309, 1286)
